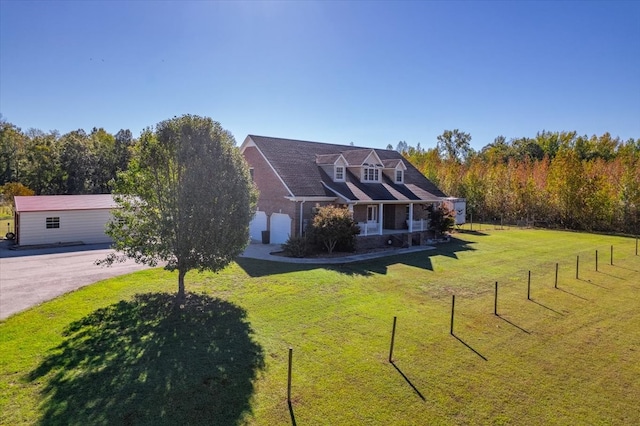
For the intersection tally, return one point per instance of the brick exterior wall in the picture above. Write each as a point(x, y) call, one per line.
point(272, 191)
point(360, 213)
point(397, 240)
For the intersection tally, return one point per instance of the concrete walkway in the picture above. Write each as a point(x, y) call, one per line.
point(263, 252)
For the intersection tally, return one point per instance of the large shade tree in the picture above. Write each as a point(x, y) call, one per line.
point(455, 145)
point(186, 199)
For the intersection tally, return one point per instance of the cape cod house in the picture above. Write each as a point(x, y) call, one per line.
point(386, 194)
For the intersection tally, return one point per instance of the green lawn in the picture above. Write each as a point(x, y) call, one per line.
point(6, 220)
point(103, 355)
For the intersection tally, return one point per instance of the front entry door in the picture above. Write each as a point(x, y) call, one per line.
point(372, 214)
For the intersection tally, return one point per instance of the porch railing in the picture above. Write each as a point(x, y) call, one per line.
point(367, 228)
point(418, 225)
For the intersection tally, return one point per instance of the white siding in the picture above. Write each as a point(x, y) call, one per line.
point(85, 226)
point(459, 207)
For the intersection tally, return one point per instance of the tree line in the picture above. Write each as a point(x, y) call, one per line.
point(556, 179)
point(74, 163)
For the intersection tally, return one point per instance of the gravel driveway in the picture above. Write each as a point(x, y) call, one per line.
point(30, 277)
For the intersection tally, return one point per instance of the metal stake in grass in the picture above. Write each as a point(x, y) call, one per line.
point(453, 306)
point(577, 265)
point(495, 302)
point(596, 260)
point(556, 285)
point(289, 377)
point(529, 287)
point(612, 255)
point(393, 338)
point(636, 245)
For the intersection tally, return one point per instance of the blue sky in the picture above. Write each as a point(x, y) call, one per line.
point(371, 73)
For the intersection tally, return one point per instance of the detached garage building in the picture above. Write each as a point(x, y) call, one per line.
point(54, 219)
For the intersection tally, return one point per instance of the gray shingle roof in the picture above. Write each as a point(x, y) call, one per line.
point(356, 157)
point(295, 162)
point(327, 158)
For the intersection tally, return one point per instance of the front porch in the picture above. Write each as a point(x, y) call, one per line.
point(386, 219)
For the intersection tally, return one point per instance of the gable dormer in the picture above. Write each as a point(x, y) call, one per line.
point(394, 170)
point(340, 170)
point(365, 164)
point(335, 165)
point(371, 169)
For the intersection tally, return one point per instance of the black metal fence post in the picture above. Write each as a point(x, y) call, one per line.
point(577, 265)
point(495, 302)
point(393, 337)
point(556, 285)
point(289, 376)
point(453, 306)
point(529, 287)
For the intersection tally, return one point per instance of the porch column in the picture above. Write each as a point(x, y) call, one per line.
point(410, 217)
point(381, 218)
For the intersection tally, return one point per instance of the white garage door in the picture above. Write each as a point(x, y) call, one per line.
point(280, 228)
point(257, 225)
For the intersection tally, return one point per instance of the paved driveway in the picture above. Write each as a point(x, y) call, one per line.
point(30, 277)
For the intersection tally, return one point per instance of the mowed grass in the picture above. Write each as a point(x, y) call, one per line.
point(6, 220)
point(571, 355)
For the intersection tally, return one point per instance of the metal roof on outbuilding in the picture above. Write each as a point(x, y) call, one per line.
point(41, 203)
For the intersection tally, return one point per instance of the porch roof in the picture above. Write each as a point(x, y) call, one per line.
point(355, 191)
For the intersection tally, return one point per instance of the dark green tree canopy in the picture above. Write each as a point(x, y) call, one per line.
point(441, 219)
point(455, 145)
point(186, 198)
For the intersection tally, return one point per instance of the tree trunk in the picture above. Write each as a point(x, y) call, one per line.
point(181, 293)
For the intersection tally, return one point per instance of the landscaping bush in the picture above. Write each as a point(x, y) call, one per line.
point(334, 229)
point(442, 219)
point(297, 246)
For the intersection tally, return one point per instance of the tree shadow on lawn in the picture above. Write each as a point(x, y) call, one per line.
point(147, 361)
point(421, 259)
point(470, 232)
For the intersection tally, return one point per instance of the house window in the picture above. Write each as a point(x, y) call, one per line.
point(371, 174)
point(399, 176)
point(53, 222)
point(339, 173)
point(251, 173)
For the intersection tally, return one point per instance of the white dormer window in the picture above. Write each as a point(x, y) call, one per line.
point(399, 176)
point(339, 173)
point(370, 174)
